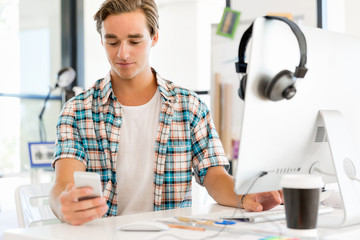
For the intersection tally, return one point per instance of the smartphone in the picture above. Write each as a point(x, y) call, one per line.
point(88, 179)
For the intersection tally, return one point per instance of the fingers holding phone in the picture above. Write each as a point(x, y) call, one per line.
point(83, 201)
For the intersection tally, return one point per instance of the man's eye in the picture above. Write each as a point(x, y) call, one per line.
point(134, 43)
point(112, 43)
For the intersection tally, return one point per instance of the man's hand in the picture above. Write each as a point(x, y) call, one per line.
point(64, 197)
point(262, 201)
point(78, 212)
point(220, 185)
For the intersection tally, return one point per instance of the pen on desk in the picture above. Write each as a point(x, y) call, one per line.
point(195, 220)
point(186, 227)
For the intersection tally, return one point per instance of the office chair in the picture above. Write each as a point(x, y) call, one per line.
point(32, 205)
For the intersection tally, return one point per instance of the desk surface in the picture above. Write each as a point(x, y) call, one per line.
point(106, 228)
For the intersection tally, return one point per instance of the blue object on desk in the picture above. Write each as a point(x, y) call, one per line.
point(226, 222)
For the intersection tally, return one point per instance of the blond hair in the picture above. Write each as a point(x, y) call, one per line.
point(114, 7)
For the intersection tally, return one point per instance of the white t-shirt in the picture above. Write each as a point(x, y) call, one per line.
point(135, 159)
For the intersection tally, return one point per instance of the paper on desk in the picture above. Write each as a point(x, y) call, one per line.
point(274, 228)
point(218, 231)
point(239, 229)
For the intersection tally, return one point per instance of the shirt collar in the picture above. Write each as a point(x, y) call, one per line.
point(166, 89)
point(106, 89)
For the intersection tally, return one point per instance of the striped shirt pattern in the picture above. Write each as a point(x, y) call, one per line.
point(89, 126)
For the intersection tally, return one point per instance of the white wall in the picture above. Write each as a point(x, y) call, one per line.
point(256, 8)
point(175, 55)
point(335, 15)
point(183, 52)
point(343, 16)
point(352, 17)
point(96, 65)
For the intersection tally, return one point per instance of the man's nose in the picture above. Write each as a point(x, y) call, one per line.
point(123, 52)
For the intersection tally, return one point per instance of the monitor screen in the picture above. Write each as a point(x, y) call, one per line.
point(291, 136)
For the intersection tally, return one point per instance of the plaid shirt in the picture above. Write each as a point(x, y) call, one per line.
point(89, 130)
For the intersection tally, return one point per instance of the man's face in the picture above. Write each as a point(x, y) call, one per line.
point(127, 44)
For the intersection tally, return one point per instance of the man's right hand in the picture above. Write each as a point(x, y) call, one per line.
point(77, 212)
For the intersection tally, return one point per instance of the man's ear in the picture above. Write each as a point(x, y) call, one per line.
point(155, 38)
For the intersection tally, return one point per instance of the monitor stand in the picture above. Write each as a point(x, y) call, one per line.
point(346, 163)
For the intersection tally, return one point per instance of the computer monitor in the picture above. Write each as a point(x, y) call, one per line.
point(315, 132)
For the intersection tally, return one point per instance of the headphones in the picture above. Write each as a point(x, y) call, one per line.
point(282, 86)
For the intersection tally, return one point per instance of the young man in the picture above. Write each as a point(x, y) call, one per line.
point(143, 134)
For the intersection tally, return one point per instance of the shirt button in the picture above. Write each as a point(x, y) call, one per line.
point(118, 121)
point(113, 149)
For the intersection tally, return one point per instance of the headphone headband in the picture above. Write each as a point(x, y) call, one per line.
point(241, 65)
point(300, 70)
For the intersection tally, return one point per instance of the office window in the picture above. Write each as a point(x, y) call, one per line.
point(30, 58)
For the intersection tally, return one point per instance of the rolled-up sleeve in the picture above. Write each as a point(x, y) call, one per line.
point(206, 145)
point(68, 140)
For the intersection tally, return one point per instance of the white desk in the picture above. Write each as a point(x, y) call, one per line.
point(106, 228)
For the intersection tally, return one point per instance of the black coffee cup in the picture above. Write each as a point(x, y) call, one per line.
point(301, 194)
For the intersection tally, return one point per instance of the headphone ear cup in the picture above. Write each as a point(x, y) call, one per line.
point(242, 87)
point(281, 86)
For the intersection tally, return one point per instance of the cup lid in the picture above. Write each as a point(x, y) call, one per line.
point(306, 181)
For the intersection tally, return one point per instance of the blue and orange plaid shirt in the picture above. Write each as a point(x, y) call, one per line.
point(186, 142)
